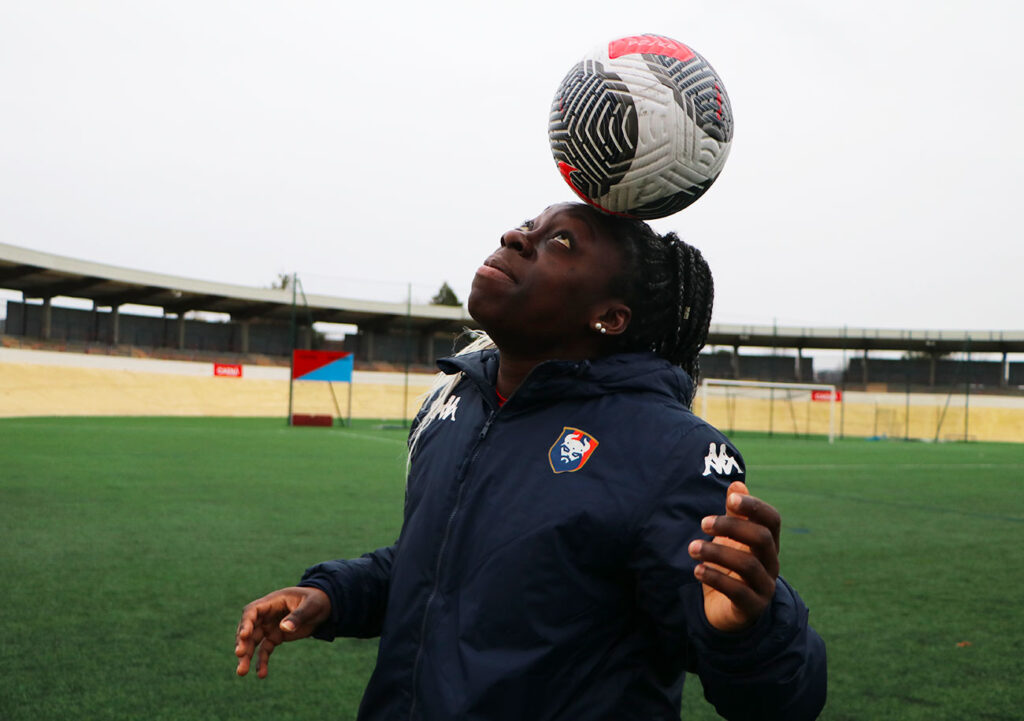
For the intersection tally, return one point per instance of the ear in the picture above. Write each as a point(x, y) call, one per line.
point(614, 317)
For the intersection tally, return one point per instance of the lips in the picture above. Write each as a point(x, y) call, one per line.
point(496, 269)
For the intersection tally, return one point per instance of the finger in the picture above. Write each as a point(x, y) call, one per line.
point(244, 651)
point(250, 643)
point(266, 648)
point(745, 598)
point(747, 535)
point(245, 624)
point(747, 568)
point(753, 508)
point(733, 498)
point(257, 613)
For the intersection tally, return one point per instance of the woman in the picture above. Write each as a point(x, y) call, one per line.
point(574, 538)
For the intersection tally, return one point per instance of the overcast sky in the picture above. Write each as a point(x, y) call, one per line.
point(873, 180)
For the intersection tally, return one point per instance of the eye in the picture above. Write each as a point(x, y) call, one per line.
point(564, 240)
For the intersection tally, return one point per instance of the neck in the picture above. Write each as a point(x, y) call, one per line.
point(512, 372)
point(514, 367)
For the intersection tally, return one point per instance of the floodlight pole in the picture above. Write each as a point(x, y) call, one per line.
point(408, 352)
point(906, 420)
point(291, 354)
point(842, 382)
point(967, 391)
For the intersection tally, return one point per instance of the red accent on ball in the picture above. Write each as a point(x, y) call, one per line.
point(567, 170)
point(655, 44)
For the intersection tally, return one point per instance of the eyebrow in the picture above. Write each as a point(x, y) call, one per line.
point(581, 213)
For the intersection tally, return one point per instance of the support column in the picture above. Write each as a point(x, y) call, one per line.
point(735, 361)
point(93, 336)
point(47, 325)
point(933, 361)
point(115, 324)
point(243, 332)
point(421, 351)
point(181, 331)
point(799, 364)
point(864, 368)
point(1004, 377)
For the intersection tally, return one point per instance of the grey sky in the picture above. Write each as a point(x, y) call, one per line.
point(872, 181)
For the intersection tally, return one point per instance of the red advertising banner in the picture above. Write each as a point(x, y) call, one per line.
point(826, 395)
point(227, 370)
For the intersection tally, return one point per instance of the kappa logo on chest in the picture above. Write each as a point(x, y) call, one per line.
point(448, 412)
point(571, 450)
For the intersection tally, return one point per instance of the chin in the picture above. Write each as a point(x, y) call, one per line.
point(475, 304)
point(486, 311)
point(479, 309)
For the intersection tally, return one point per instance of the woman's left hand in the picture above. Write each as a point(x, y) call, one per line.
point(739, 566)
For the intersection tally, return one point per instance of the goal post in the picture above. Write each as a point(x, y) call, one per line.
point(800, 409)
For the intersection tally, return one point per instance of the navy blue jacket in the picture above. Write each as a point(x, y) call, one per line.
point(542, 569)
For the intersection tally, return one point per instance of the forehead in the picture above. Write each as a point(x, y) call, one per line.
point(582, 214)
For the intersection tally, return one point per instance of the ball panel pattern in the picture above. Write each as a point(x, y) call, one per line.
point(699, 91)
point(593, 127)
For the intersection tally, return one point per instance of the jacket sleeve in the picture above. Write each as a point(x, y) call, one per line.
point(358, 590)
point(775, 669)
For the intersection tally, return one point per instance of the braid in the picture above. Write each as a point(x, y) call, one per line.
point(668, 286)
point(696, 298)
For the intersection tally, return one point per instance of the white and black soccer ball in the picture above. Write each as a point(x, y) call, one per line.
point(641, 126)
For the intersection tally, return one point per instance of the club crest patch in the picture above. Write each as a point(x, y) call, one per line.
point(571, 451)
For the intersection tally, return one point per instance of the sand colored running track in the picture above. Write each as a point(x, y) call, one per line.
point(46, 383)
point(41, 383)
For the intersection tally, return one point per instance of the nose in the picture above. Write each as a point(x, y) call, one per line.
point(517, 241)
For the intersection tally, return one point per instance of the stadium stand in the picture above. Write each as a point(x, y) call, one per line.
point(258, 327)
point(930, 372)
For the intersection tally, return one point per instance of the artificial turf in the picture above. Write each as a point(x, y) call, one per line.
point(131, 544)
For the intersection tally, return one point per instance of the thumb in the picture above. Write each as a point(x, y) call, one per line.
point(297, 617)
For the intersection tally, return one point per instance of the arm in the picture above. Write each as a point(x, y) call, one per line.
point(314, 608)
point(754, 633)
point(719, 605)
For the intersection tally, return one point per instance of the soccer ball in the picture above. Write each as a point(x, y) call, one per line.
point(641, 127)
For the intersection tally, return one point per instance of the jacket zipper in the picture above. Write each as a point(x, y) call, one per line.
point(464, 471)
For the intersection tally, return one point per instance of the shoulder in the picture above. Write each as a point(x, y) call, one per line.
point(663, 444)
point(689, 461)
point(666, 428)
point(706, 451)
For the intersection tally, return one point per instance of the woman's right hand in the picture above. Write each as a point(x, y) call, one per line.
point(285, 615)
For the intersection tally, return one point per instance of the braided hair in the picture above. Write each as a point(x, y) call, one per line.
point(668, 286)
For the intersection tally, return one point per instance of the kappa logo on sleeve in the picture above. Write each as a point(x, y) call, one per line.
point(571, 451)
point(719, 461)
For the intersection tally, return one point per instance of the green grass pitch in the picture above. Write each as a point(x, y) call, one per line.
point(131, 545)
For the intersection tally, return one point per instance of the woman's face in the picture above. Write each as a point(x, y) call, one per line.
point(542, 290)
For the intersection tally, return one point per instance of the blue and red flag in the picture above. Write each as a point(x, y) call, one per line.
point(322, 365)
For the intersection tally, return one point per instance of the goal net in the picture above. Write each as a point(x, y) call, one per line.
point(792, 409)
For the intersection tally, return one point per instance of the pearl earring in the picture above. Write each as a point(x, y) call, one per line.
point(600, 328)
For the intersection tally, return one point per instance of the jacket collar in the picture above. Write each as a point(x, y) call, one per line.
point(559, 380)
